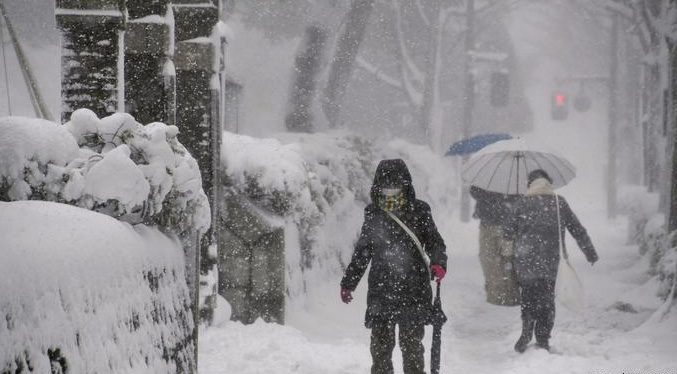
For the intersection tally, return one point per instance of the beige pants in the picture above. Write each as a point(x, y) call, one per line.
point(500, 282)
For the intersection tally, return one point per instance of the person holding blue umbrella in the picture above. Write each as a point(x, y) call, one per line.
point(492, 209)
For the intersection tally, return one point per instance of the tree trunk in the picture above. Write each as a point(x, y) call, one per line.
point(672, 87)
point(468, 96)
point(430, 86)
point(307, 68)
point(613, 108)
point(345, 55)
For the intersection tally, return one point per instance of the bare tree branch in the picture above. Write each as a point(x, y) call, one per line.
point(402, 47)
point(411, 75)
point(421, 12)
point(378, 73)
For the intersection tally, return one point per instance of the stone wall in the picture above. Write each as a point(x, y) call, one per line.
point(251, 261)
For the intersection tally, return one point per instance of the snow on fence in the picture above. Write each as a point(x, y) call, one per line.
point(81, 292)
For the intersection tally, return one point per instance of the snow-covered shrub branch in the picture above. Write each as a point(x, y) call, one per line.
point(113, 165)
point(647, 229)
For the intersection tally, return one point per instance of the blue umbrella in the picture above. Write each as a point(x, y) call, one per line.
point(474, 144)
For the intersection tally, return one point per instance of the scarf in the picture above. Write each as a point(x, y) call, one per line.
point(540, 186)
point(391, 203)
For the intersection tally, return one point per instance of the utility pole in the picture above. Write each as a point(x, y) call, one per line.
point(468, 96)
point(613, 118)
point(31, 83)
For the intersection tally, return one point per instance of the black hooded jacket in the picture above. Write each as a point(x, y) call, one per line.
point(535, 230)
point(492, 208)
point(399, 288)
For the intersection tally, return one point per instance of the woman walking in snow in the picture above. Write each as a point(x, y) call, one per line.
point(536, 233)
point(399, 291)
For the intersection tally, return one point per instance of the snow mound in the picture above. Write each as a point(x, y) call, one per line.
point(113, 165)
point(84, 293)
point(116, 177)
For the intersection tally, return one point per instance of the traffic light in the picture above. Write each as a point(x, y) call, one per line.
point(500, 89)
point(582, 102)
point(560, 106)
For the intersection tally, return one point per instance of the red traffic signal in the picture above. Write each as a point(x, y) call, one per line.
point(560, 106)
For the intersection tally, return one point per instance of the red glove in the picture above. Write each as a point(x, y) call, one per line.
point(346, 295)
point(438, 272)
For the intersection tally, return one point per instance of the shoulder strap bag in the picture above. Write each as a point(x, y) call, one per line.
point(568, 286)
point(413, 237)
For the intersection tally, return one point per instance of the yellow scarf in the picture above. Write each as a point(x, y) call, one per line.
point(391, 203)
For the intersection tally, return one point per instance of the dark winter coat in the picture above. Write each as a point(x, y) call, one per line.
point(492, 208)
point(398, 285)
point(533, 227)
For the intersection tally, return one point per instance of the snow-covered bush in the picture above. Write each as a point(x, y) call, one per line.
point(137, 174)
point(320, 184)
point(648, 231)
point(81, 292)
point(113, 165)
point(640, 206)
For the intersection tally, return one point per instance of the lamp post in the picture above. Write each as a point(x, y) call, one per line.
point(468, 96)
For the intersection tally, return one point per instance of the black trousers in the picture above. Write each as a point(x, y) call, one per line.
point(538, 308)
point(383, 343)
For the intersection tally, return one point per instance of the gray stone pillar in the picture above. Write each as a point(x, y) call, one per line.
point(91, 62)
point(251, 261)
point(197, 61)
point(149, 71)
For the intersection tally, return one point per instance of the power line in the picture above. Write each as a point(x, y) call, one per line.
point(4, 61)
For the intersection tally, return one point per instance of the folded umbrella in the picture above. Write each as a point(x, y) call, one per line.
point(503, 167)
point(438, 319)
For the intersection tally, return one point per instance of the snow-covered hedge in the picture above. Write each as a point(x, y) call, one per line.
point(647, 229)
point(137, 174)
point(113, 165)
point(81, 292)
point(320, 183)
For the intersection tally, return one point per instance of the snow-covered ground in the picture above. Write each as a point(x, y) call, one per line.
point(325, 336)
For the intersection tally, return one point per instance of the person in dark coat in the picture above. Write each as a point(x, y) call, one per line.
point(399, 291)
point(494, 209)
point(536, 234)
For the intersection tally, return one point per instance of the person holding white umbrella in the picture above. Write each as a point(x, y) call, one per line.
point(537, 230)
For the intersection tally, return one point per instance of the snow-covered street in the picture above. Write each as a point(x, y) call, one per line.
point(198, 186)
point(608, 336)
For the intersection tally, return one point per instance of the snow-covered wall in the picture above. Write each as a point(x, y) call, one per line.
point(82, 292)
point(320, 184)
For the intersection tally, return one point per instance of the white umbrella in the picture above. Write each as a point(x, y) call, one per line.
point(503, 167)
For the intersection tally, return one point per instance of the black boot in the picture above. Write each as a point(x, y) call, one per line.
point(543, 344)
point(527, 333)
